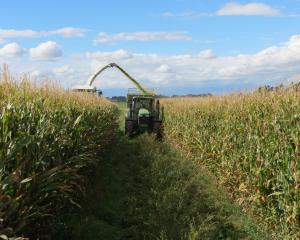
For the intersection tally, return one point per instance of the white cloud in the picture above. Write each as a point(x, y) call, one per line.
point(207, 54)
point(61, 70)
point(272, 65)
point(12, 33)
point(11, 50)
point(68, 32)
point(46, 51)
point(163, 68)
point(104, 37)
point(116, 55)
point(250, 9)
point(28, 33)
point(35, 73)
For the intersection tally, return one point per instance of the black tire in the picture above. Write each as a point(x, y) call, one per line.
point(129, 128)
point(158, 130)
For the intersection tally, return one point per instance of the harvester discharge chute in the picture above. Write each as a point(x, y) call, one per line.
point(143, 108)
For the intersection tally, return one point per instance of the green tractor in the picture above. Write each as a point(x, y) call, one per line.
point(143, 108)
point(143, 114)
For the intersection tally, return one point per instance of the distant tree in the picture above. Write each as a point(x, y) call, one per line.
point(118, 99)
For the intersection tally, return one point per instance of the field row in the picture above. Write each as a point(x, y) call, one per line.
point(251, 143)
point(49, 142)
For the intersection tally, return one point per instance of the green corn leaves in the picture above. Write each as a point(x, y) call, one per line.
point(49, 140)
point(246, 140)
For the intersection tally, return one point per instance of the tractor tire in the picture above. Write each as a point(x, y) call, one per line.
point(158, 130)
point(129, 128)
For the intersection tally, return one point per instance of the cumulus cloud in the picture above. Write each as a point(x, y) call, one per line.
point(46, 51)
point(11, 50)
point(272, 65)
point(104, 37)
point(249, 9)
point(28, 33)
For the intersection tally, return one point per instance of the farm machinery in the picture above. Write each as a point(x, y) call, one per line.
point(143, 114)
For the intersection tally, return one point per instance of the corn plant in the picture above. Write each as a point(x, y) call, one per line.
point(251, 143)
point(50, 140)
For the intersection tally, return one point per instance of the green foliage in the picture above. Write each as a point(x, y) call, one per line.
point(49, 141)
point(144, 190)
point(251, 143)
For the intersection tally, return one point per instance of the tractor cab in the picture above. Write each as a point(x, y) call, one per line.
point(141, 106)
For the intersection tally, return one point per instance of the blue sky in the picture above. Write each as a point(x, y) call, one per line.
point(174, 46)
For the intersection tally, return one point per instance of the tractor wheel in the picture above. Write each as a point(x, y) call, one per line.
point(158, 130)
point(129, 128)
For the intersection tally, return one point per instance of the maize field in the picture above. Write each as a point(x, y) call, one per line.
point(50, 141)
point(251, 143)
